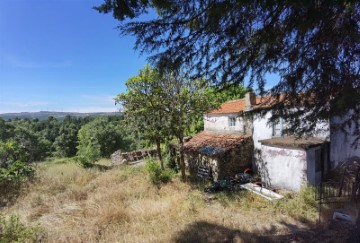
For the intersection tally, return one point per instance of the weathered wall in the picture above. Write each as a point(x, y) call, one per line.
point(283, 167)
point(223, 165)
point(195, 160)
point(118, 158)
point(261, 130)
point(220, 123)
point(322, 130)
point(341, 144)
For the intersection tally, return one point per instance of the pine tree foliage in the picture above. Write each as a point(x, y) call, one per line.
point(314, 46)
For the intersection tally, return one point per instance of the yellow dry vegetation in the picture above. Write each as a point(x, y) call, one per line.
point(73, 204)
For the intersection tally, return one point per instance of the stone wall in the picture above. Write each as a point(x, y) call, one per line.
point(118, 157)
point(222, 165)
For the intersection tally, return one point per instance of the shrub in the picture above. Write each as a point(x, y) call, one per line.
point(16, 172)
point(88, 154)
point(13, 230)
point(157, 175)
point(84, 162)
point(166, 176)
point(14, 169)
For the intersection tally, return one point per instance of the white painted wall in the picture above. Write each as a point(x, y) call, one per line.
point(261, 130)
point(322, 130)
point(283, 167)
point(341, 147)
point(264, 131)
point(220, 123)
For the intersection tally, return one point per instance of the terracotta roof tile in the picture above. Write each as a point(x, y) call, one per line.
point(235, 106)
point(212, 143)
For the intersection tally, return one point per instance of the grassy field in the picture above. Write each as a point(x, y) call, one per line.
point(73, 204)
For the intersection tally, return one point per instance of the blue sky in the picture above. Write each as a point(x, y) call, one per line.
point(61, 55)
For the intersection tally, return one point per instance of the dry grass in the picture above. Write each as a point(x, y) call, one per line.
point(121, 205)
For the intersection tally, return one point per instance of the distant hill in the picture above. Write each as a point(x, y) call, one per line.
point(43, 115)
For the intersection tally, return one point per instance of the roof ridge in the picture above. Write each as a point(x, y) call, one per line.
point(231, 101)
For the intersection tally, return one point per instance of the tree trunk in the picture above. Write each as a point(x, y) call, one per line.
point(158, 149)
point(182, 160)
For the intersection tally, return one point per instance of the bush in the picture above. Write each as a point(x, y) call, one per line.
point(16, 172)
point(166, 176)
point(12, 230)
point(88, 154)
point(14, 169)
point(157, 175)
point(84, 162)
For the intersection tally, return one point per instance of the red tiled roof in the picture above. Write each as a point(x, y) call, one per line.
point(233, 106)
point(212, 143)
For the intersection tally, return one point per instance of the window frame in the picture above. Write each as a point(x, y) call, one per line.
point(232, 121)
point(281, 128)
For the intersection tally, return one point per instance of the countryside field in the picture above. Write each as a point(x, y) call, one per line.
point(73, 204)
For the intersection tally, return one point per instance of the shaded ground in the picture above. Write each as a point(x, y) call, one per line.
point(201, 231)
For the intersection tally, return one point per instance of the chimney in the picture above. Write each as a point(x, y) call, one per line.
point(250, 100)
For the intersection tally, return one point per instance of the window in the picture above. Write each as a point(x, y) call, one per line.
point(232, 121)
point(278, 128)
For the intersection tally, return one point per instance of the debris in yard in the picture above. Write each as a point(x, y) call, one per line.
point(221, 185)
point(261, 191)
point(232, 184)
point(348, 214)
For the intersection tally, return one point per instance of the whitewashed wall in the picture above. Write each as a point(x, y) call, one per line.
point(261, 130)
point(341, 144)
point(221, 123)
point(322, 130)
point(283, 167)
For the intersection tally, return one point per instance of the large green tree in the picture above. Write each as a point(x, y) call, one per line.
point(163, 105)
point(185, 101)
point(100, 138)
point(143, 108)
point(312, 45)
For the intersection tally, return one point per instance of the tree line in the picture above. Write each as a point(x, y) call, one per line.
point(23, 141)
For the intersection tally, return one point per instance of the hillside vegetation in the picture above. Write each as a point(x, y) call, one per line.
point(73, 204)
point(44, 115)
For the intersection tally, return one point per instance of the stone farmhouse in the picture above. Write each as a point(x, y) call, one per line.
point(233, 139)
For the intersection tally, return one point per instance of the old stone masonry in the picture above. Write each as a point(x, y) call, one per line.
point(119, 158)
